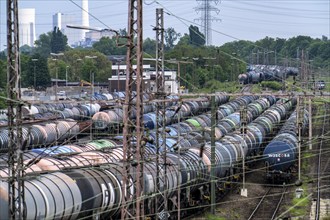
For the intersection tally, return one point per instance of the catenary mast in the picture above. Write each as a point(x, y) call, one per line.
point(15, 148)
point(206, 18)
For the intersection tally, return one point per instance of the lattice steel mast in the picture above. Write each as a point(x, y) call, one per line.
point(15, 157)
point(206, 8)
point(161, 204)
point(133, 151)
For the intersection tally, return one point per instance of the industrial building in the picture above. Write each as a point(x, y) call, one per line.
point(60, 20)
point(118, 79)
point(27, 28)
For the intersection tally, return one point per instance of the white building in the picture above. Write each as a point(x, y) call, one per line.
point(60, 20)
point(149, 77)
point(171, 84)
point(27, 28)
point(95, 36)
point(84, 17)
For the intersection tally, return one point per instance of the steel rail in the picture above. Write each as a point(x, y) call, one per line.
point(263, 199)
point(318, 200)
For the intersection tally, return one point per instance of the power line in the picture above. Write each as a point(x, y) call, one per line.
point(206, 8)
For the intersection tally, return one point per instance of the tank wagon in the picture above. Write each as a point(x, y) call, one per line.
point(113, 117)
point(105, 119)
point(94, 188)
point(190, 131)
point(64, 110)
point(280, 154)
point(259, 73)
point(43, 134)
point(82, 110)
point(193, 128)
point(44, 130)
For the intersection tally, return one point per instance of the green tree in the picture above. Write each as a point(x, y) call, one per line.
point(149, 47)
point(220, 74)
point(100, 68)
point(43, 44)
point(202, 76)
point(279, 44)
point(3, 74)
point(79, 67)
point(314, 48)
point(196, 37)
point(3, 55)
point(36, 70)
point(26, 49)
point(225, 68)
point(170, 37)
point(58, 41)
point(105, 45)
point(296, 43)
point(51, 42)
point(3, 81)
point(111, 46)
point(57, 68)
point(184, 40)
point(324, 51)
point(25, 74)
point(3, 102)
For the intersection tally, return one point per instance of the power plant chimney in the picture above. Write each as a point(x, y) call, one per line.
point(85, 17)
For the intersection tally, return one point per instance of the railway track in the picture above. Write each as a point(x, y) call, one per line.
point(322, 193)
point(269, 204)
point(246, 88)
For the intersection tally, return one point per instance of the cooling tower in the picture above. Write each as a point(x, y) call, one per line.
point(85, 17)
point(27, 28)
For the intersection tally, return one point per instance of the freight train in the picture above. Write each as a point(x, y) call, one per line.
point(92, 187)
point(76, 108)
point(281, 153)
point(58, 122)
point(106, 119)
point(42, 134)
point(259, 73)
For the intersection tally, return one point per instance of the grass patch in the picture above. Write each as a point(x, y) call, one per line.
point(307, 155)
point(302, 201)
point(305, 160)
point(214, 217)
point(321, 100)
point(291, 85)
point(216, 86)
point(300, 205)
point(256, 88)
point(273, 85)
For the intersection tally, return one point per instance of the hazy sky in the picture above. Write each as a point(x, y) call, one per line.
point(240, 19)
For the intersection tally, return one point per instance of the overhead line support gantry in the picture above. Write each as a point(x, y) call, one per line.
point(132, 186)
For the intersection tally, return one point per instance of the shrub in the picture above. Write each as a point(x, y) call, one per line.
point(272, 85)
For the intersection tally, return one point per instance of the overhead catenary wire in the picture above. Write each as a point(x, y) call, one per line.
point(183, 19)
point(235, 58)
point(58, 146)
point(224, 202)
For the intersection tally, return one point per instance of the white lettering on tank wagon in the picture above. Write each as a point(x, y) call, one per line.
point(279, 155)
